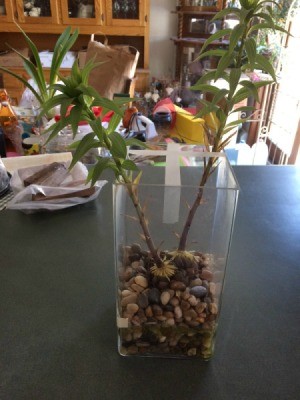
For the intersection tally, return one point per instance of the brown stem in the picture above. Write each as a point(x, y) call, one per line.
point(193, 209)
point(144, 225)
point(135, 200)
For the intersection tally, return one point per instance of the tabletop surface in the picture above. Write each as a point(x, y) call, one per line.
point(58, 339)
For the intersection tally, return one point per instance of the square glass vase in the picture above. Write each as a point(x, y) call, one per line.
point(170, 267)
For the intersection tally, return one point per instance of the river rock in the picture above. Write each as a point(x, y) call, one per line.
point(132, 308)
point(177, 285)
point(198, 291)
point(136, 248)
point(129, 299)
point(154, 296)
point(142, 300)
point(165, 297)
point(206, 274)
point(141, 281)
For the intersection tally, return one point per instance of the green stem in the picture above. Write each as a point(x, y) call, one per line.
point(132, 192)
point(208, 168)
point(142, 220)
point(206, 174)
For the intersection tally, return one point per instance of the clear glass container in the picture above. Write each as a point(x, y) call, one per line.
point(175, 316)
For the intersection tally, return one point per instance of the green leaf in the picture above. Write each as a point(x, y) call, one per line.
point(281, 29)
point(98, 129)
point(220, 95)
point(63, 38)
point(33, 72)
point(257, 27)
point(209, 76)
point(113, 123)
point(60, 52)
point(129, 165)
point(216, 36)
point(240, 95)
point(250, 46)
point(208, 108)
point(216, 52)
point(221, 115)
point(252, 89)
point(106, 103)
point(36, 56)
point(226, 11)
point(234, 78)
point(206, 88)
point(24, 82)
point(51, 103)
point(264, 64)
point(267, 17)
point(236, 122)
point(276, 3)
point(118, 148)
point(56, 128)
point(75, 118)
point(112, 165)
point(236, 34)
point(87, 143)
point(86, 70)
point(76, 73)
point(102, 165)
point(135, 142)
point(242, 109)
point(223, 64)
point(262, 83)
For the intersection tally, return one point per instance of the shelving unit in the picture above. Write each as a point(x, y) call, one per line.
point(194, 27)
point(122, 22)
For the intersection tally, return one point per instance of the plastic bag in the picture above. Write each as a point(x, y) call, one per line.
point(68, 188)
point(23, 201)
point(60, 177)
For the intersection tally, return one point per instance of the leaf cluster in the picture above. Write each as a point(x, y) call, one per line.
point(34, 67)
point(240, 56)
point(77, 101)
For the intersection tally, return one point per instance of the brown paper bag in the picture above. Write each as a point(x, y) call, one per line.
point(117, 68)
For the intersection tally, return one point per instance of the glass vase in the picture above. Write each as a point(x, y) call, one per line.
point(175, 315)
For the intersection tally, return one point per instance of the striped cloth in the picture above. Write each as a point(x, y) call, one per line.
point(5, 199)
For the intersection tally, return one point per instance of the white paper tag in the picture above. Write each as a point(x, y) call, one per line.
point(172, 183)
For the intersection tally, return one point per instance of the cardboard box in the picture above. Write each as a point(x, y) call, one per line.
point(187, 127)
point(12, 59)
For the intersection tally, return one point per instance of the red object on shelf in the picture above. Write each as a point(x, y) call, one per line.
point(97, 112)
point(166, 105)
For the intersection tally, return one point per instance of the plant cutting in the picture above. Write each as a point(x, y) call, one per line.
point(170, 295)
point(43, 88)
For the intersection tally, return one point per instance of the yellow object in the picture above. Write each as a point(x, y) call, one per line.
point(188, 128)
point(212, 121)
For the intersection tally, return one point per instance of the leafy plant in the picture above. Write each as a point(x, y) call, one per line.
point(35, 69)
point(241, 56)
point(75, 92)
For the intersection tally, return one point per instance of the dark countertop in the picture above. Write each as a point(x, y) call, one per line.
point(57, 313)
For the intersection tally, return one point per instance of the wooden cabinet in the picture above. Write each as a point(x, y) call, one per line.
point(92, 13)
point(6, 11)
point(127, 12)
point(122, 22)
point(194, 27)
point(41, 12)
